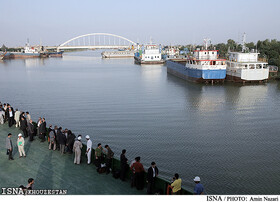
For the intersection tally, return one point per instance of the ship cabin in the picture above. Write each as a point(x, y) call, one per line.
point(151, 53)
point(28, 49)
point(243, 60)
point(206, 57)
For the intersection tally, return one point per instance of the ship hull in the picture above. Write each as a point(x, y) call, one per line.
point(55, 54)
point(247, 75)
point(23, 55)
point(195, 75)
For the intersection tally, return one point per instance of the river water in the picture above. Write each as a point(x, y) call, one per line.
point(227, 134)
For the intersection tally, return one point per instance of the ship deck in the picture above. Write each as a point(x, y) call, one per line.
point(51, 170)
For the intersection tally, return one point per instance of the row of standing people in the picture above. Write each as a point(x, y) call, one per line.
point(66, 141)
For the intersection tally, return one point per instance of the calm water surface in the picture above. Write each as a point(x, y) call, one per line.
point(226, 134)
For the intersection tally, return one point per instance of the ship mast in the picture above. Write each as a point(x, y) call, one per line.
point(243, 42)
point(206, 40)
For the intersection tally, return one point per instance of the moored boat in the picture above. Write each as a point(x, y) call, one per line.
point(118, 54)
point(26, 52)
point(55, 54)
point(245, 66)
point(204, 66)
point(149, 54)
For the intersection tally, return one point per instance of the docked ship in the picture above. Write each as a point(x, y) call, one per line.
point(26, 52)
point(148, 54)
point(118, 54)
point(204, 66)
point(245, 66)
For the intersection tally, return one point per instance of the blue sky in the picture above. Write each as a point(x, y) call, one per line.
point(168, 22)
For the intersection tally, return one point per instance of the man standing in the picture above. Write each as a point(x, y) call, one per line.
point(43, 130)
point(28, 117)
point(176, 185)
point(30, 130)
point(61, 139)
point(9, 146)
point(138, 170)
point(98, 156)
point(17, 115)
point(52, 138)
point(109, 157)
point(20, 144)
point(70, 141)
point(198, 189)
point(2, 116)
point(23, 126)
point(11, 115)
point(88, 152)
point(77, 149)
point(124, 165)
point(151, 177)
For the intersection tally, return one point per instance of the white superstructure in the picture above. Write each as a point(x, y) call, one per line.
point(151, 53)
point(245, 66)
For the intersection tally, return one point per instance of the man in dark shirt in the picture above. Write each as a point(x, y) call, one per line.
point(61, 139)
point(124, 165)
point(151, 177)
point(9, 146)
point(43, 130)
point(98, 156)
point(30, 130)
point(109, 157)
point(23, 126)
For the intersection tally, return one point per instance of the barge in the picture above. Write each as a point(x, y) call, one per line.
point(118, 54)
point(203, 67)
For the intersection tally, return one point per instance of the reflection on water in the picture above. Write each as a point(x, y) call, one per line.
point(226, 134)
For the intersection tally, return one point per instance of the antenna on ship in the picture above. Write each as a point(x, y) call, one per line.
point(243, 42)
point(206, 40)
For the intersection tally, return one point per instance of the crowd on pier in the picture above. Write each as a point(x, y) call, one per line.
point(65, 141)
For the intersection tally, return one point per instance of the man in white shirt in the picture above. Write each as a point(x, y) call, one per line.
point(17, 115)
point(2, 114)
point(20, 144)
point(88, 152)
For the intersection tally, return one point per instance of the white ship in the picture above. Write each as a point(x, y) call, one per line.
point(149, 54)
point(245, 66)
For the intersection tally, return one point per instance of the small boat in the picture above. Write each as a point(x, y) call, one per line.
point(203, 67)
point(149, 54)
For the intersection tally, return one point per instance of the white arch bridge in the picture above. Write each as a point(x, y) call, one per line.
point(96, 41)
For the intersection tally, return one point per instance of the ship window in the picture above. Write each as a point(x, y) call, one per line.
point(213, 53)
point(265, 66)
point(259, 66)
point(205, 53)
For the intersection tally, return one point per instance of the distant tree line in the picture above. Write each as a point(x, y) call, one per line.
point(5, 48)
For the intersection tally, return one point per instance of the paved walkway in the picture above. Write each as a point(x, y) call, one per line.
point(51, 170)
